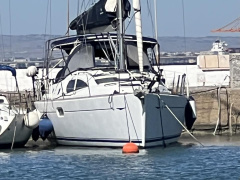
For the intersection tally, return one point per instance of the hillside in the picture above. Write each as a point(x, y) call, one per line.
point(32, 46)
point(194, 44)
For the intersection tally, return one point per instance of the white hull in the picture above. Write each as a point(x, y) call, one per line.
point(114, 120)
point(22, 133)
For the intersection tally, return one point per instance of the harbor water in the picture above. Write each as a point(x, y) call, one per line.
point(218, 159)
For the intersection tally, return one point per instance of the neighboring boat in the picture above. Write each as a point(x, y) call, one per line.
point(107, 97)
point(209, 68)
point(15, 130)
point(217, 59)
point(218, 48)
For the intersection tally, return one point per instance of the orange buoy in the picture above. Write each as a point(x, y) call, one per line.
point(130, 148)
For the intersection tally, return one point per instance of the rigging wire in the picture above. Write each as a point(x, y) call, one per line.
point(184, 29)
point(150, 14)
point(185, 43)
point(1, 31)
point(10, 27)
point(83, 4)
point(78, 4)
point(129, 22)
point(45, 32)
point(50, 16)
point(87, 5)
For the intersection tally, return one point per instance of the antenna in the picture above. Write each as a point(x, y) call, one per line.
point(68, 18)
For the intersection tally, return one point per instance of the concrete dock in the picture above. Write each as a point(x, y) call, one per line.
point(217, 106)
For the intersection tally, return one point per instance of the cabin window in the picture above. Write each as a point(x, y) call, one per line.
point(106, 80)
point(104, 56)
point(151, 56)
point(70, 86)
point(80, 58)
point(79, 85)
point(132, 56)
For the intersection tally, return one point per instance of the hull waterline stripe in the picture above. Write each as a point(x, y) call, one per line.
point(116, 141)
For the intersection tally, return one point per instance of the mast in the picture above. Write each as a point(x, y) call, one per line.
point(137, 10)
point(120, 36)
point(155, 13)
point(156, 31)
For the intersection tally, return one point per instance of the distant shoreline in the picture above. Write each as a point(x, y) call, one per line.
point(32, 45)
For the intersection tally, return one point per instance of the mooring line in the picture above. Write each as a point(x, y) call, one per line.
point(182, 124)
point(14, 133)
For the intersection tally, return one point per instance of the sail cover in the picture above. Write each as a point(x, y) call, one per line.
point(100, 17)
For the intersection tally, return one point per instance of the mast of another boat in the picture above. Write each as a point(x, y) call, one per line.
point(156, 32)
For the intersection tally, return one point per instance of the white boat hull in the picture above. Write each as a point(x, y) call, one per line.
point(114, 120)
point(22, 133)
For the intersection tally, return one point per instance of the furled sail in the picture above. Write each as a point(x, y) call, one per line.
point(138, 22)
point(101, 17)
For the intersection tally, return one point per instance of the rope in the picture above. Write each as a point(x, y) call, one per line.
point(219, 110)
point(219, 106)
point(127, 117)
point(160, 113)
point(15, 128)
point(230, 119)
point(182, 124)
point(131, 116)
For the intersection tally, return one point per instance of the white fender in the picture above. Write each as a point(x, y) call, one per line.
point(31, 119)
point(31, 71)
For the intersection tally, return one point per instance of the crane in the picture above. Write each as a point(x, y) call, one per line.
point(231, 27)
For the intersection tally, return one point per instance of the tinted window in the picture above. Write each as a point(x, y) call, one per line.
point(132, 56)
point(70, 86)
point(81, 57)
point(80, 84)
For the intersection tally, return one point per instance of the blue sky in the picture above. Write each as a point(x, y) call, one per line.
point(201, 16)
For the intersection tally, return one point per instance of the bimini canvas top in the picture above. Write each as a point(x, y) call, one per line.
point(67, 43)
point(8, 68)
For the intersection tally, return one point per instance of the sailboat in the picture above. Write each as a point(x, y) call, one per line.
point(16, 124)
point(107, 93)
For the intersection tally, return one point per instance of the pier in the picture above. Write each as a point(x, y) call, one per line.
point(218, 108)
